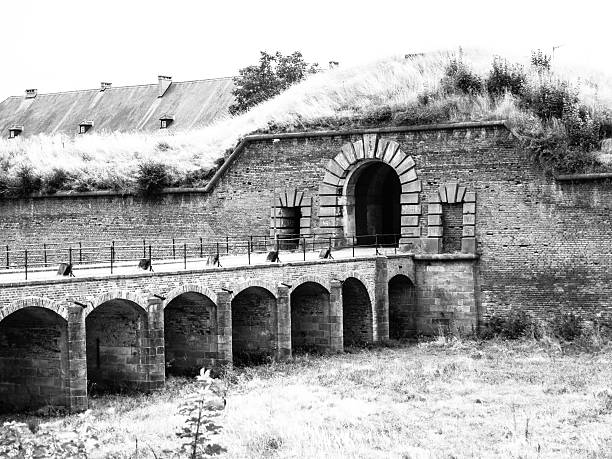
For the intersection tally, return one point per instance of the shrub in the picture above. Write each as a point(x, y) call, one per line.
point(505, 77)
point(550, 99)
point(27, 181)
point(56, 181)
point(459, 77)
point(152, 178)
point(566, 326)
point(583, 129)
point(516, 325)
point(540, 61)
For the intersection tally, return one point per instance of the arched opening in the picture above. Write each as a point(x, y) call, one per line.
point(190, 334)
point(33, 360)
point(116, 358)
point(253, 326)
point(373, 204)
point(309, 308)
point(402, 308)
point(356, 313)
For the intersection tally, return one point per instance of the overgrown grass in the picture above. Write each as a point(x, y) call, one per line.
point(445, 398)
point(393, 91)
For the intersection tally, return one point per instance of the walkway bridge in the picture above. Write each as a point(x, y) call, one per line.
point(130, 328)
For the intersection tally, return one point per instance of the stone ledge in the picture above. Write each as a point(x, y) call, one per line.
point(446, 256)
point(584, 177)
point(182, 272)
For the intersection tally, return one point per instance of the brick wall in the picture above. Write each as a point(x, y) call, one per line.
point(402, 308)
point(33, 360)
point(190, 334)
point(544, 244)
point(357, 313)
point(115, 332)
point(310, 318)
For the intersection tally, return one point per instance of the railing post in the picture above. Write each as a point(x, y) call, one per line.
point(112, 255)
point(70, 255)
point(173, 250)
point(144, 248)
point(217, 250)
point(150, 258)
point(227, 245)
point(304, 247)
point(8, 266)
point(45, 253)
point(353, 246)
point(185, 255)
point(25, 258)
point(80, 252)
point(201, 248)
point(249, 250)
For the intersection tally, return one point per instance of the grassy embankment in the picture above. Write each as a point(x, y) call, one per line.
point(464, 399)
point(393, 91)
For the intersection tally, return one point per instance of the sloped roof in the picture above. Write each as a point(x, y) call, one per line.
point(193, 104)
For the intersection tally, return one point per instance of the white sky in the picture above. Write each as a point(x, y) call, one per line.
point(61, 45)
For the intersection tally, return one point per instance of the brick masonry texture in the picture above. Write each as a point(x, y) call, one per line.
point(528, 242)
point(544, 244)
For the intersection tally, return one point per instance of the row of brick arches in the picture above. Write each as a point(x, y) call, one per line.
point(125, 349)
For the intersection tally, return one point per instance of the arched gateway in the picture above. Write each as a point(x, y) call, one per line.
point(371, 187)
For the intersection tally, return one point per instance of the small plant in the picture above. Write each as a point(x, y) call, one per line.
point(27, 181)
point(516, 325)
point(56, 181)
point(201, 410)
point(505, 77)
point(152, 178)
point(566, 326)
point(540, 61)
point(459, 77)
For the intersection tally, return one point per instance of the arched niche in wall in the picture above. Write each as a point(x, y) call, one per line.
point(352, 193)
point(290, 215)
point(451, 219)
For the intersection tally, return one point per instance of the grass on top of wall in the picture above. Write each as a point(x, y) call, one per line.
point(392, 91)
point(446, 398)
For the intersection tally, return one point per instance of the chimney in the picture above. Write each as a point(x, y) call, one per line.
point(163, 84)
point(104, 86)
point(31, 93)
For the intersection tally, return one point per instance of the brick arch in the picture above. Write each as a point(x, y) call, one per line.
point(37, 302)
point(326, 284)
point(364, 281)
point(369, 148)
point(136, 298)
point(395, 271)
point(269, 286)
point(185, 288)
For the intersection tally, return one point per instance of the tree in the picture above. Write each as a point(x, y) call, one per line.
point(270, 77)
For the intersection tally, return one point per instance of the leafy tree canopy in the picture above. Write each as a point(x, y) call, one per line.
point(273, 74)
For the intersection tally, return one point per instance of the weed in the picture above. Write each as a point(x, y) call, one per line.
point(152, 178)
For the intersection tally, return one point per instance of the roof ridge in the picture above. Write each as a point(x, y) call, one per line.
point(118, 87)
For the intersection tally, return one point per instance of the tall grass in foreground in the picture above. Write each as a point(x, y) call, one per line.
point(446, 398)
point(390, 91)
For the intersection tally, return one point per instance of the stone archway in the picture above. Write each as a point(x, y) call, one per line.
point(34, 367)
point(337, 201)
point(190, 333)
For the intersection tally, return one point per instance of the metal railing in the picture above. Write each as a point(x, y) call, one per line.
point(29, 258)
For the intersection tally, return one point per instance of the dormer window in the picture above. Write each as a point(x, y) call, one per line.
point(85, 126)
point(165, 121)
point(15, 131)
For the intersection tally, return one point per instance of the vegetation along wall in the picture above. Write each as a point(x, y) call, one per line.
point(469, 188)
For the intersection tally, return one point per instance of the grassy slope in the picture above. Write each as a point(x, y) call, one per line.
point(387, 90)
point(497, 399)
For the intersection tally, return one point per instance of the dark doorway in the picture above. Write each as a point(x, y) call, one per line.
point(357, 324)
point(116, 358)
point(190, 334)
point(33, 360)
point(377, 211)
point(309, 306)
point(402, 308)
point(253, 325)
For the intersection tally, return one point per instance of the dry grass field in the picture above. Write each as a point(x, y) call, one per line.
point(437, 399)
